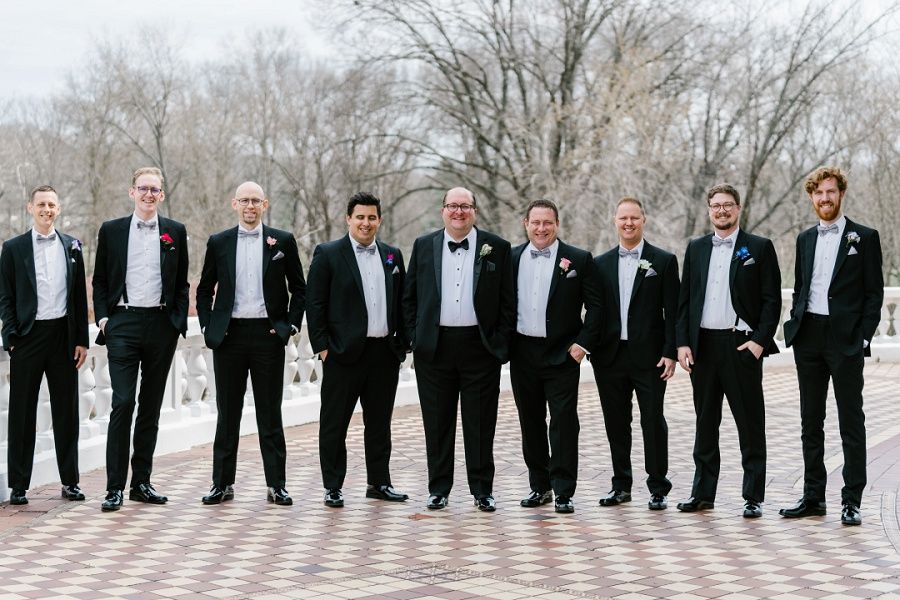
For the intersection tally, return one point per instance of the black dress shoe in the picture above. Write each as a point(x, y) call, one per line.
point(218, 495)
point(279, 496)
point(486, 504)
point(564, 504)
point(18, 497)
point(114, 500)
point(615, 497)
point(694, 504)
point(850, 514)
point(385, 492)
point(72, 492)
point(436, 502)
point(535, 499)
point(334, 498)
point(657, 502)
point(144, 492)
point(752, 510)
point(804, 508)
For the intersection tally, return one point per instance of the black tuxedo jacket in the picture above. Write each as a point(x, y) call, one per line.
point(651, 313)
point(856, 291)
point(570, 290)
point(336, 313)
point(755, 283)
point(495, 296)
point(111, 264)
point(18, 290)
point(284, 288)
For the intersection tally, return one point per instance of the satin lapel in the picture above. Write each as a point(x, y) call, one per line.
point(66, 241)
point(809, 253)
point(437, 252)
point(268, 250)
point(704, 253)
point(347, 253)
point(612, 269)
point(388, 269)
point(562, 251)
point(28, 263)
point(230, 241)
point(843, 248)
point(479, 242)
point(646, 254)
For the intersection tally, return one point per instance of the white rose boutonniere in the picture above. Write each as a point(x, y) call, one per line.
point(485, 250)
point(852, 238)
point(645, 265)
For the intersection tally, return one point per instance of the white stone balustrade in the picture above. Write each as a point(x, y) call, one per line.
point(189, 411)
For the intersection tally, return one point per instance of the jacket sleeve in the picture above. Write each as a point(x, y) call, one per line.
point(296, 283)
point(79, 290)
point(592, 297)
point(873, 286)
point(409, 305)
point(182, 287)
point(402, 335)
point(100, 281)
point(671, 290)
point(317, 293)
point(770, 297)
point(209, 277)
point(8, 295)
point(682, 319)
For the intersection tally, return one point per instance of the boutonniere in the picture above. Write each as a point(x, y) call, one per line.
point(852, 238)
point(742, 254)
point(485, 250)
point(389, 261)
point(166, 242)
point(271, 241)
point(76, 246)
point(564, 264)
point(645, 265)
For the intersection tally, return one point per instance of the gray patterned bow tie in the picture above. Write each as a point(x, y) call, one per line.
point(717, 241)
point(545, 253)
point(146, 225)
point(365, 250)
point(46, 238)
point(248, 234)
point(632, 253)
point(825, 229)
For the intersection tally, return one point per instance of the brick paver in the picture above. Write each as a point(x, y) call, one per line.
point(370, 549)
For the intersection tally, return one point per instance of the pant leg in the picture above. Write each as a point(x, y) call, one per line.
point(615, 388)
point(708, 395)
point(438, 386)
point(267, 376)
point(341, 387)
point(560, 385)
point(812, 375)
point(479, 384)
point(231, 364)
point(847, 376)
point(62, 382)
point(26, 368)
point(124, 332)
point(531, 405)
point(651, 390)
point(382, 373)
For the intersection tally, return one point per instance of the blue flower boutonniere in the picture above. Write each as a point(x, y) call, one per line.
point(742, 254)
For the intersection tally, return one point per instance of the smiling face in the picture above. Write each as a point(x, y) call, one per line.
point(249, 203)
point(542, 227)
point(363, 224)
point(44, 208)
point(458, 213)
point(826, 200)
point(724, 212)
point(147, 195)
point(630, 224)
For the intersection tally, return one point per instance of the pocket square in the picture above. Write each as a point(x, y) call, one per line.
point(278, 255)
point(852, 251)
point(396, 271)
point(571, 274)
point(491, 267)
point(650, 273)
point(750, 261)
point(72, 260)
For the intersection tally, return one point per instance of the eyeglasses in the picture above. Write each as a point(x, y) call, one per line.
point(253, 201)
point(153, 191)
point(726, 206)
point(460, 207)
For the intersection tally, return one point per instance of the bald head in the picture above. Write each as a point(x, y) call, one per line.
point(250, 203)
point(458, 212)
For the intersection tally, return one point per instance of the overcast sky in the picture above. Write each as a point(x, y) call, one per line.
point(43, 40)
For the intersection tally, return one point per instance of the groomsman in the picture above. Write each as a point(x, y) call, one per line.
point(553, 282)
point(141, 305)
point(636, 353)
point(354, 323)
point(249, 303)
point(460, 310)
point(728, 310)
point(43, 306)
point(838, 292)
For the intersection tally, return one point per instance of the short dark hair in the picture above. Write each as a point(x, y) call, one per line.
point(542, 203)
point(631, 200)
point(363, 199)
point(41, 188)
point(823, 173)
point(723, 188)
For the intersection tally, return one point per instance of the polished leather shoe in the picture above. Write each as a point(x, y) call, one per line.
point(752, 510)
point(850, 515)
point(657, 502)
point(535, 499)
point(385, 492)
point(144, 492)
point(72, 492)
point(18, 497)
point(564, 504)
point(333, 498)
point(486, 504)
point(804, 508)
point(694, 504)
point(279, 496)
point(114, 501)
point(218, 495)
point(615, 497)
point(436, 502)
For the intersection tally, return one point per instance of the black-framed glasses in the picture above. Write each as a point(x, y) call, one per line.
point(460, 207)
point(727, 206)
point(144, 189)
point(249, 201)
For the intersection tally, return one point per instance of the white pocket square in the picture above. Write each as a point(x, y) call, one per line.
point(852, 251)
point(278, 255)
point(572, 274)
point(650, 273)
point(395, 271)
point(750, 261)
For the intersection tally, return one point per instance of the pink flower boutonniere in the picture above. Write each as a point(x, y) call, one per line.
point(271, 241)
point(389, 261)
point(166, 241)
point(564, 264)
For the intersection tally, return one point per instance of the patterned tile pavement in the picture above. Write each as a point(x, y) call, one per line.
point(370, 549)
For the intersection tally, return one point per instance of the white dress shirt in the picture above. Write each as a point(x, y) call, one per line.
point(457, 283)
point(50, 276)
point(372, 273)
point(249, 302)
point(718, 312)
point(827, 247)
point(535, 276)
point(143, 277)
point(628, 266)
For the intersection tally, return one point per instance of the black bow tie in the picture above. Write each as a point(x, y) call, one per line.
point(824, 229)
point(454, 246)
point(46, 238)
point(717, 241)
point(365, 249)
point(545, 253)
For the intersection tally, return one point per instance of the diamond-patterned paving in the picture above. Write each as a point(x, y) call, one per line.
point(372, 549)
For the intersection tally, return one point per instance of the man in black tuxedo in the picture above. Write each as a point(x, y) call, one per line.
point(728, 310)
point(460, 309)
point(636, 352)
point(553, 282)
point(354, 323)
point(838, 292)
point(43, 306)
point(255, 275)
point(141, 305)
